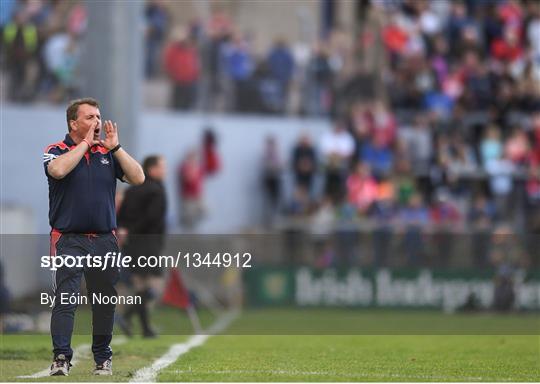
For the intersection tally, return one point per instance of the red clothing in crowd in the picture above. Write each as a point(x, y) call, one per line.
point(191, 180)
point(211, 161)
point(182, 62)
point(361, 191)
point(502, 50)
point(395, 38)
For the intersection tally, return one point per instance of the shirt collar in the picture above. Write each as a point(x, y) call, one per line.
point(69, 141)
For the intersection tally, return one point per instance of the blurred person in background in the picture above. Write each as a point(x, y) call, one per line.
point(211, 161)
point(361, 188)
point(213, 62)
point(417, 142)
point(506, 255)
point(142, 218)
point(481, 218)
point(338, 142)
point(383, 214)
point(319, 82)
point(5, 299)
point(190, 188)
point(378, 156)
point(240, 65)
point(62, 56)
point(281, 66)
point(272, 169)
point(501, 183)
point(446, 220)
point(414, 219)
point(157, 23)
point(491, 146)
point(20, 44)
point(337, 149)
point(304, 163)
point(301, 205)
point(181, 62)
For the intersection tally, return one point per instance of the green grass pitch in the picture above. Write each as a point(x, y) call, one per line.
point(267, 356)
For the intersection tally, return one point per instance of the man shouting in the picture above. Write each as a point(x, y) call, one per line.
point(82, 171)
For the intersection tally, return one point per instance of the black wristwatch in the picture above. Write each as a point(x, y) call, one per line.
point(115, 148)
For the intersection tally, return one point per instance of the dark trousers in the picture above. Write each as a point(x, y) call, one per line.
point(67, 281)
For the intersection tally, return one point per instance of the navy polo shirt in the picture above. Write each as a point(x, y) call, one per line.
point(83, 201)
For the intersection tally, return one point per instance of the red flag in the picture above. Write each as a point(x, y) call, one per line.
point(176, 294)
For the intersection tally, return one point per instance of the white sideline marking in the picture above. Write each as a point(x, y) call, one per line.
point(80, 352)
point(149, 374)
point(345, 375)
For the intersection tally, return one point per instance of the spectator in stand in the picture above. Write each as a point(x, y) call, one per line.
point(304, 163)
point(281, 66)
point(362, 188)
point(535, 141)
point(517, 148)
point(334, 179)
point(239, 69)
point(191, 179)
point(62, 56)
point(457, 21)
point(213, 50)
point(501, 184)
point(378, 156)
point(478, 90)
point(337, 149)
point(157, 22)
point(491, 147)
point(506, 256)
point(481, 218)
point(20, 43)
point(338, 142)
point(508, 48)
point(447, 220)
point(211, 160)
point(301, 204)
point(414, 218)
point(319, 82)
point(532, 207)
point(383, 212)
point(417, 141)
point(272, 168)
point(403, 181)
point(182, 67)
point(533, 31)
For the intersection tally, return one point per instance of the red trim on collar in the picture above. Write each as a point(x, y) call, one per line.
point(99, 148)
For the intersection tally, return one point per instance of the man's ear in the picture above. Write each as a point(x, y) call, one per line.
point(73, 125)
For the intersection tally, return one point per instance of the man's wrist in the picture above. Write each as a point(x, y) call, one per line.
point(116, 148)
point(87, 142)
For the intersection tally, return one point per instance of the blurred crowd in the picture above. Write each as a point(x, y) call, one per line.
point(449, 137)
point(449, 149)
point(40, 49)
point(411, 183)
point(446, 57)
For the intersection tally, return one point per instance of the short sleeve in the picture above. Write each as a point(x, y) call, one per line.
point(50, 153)
point(118, 172)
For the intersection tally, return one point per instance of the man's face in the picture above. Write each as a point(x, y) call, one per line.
point(88, 117)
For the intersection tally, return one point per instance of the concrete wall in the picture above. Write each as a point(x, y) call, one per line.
point(233, 197)
point(295, 20)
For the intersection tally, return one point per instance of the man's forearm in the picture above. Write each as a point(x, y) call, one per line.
point(133, 172)
point(64, 164)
